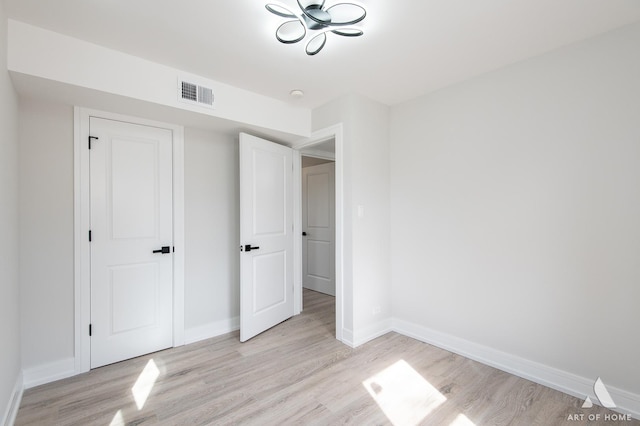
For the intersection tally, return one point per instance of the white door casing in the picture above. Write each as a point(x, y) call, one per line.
point(131, 216)
point(266, 221)
point(342, 256)
point(318, 226)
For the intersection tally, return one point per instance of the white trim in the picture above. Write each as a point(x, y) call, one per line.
point(347, 337)
point(49, 372)
point(82, 349)
point(627, 402)
point(563, 381)
point(178, 236)
point(212, 329)
point(82, 300)
point(297, 231)
point(336, 132)
point(373, 331)
point(360, 337)
point(319, 154)
point(11, 411)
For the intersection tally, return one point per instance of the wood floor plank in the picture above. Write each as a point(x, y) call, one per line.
point(297, 373)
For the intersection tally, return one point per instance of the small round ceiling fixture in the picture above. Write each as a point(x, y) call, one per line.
point(296, 93)
point(314, 16)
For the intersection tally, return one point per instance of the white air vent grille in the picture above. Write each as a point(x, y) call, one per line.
point(193, 93)
point(205, 95)
point(189, 91)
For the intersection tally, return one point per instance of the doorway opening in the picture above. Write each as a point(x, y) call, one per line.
point(318, 225)
point(323, 147)
point(318, 230)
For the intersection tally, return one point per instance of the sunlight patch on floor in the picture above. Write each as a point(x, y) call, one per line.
point(462, 420)
point(403, 394)
point(118, 420)
point(144, 384)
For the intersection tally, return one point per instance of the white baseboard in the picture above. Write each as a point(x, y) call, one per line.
point(11, 411)
point(50, 372)
point(563, 381)
point(213, 329)
point(347, 337)
point(62, 369)
point(366, 334)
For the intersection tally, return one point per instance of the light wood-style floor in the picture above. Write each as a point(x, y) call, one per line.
point(297, 373)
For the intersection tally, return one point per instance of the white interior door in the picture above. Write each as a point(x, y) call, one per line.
point(131, 217)
point(318, 226)
point(266, 235)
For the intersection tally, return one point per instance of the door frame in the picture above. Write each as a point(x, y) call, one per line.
point(322, 135)
point(81, 221)
point(305, 248)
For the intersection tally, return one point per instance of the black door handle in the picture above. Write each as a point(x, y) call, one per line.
point(163, 250)
point(247, 247)
point(304, 234)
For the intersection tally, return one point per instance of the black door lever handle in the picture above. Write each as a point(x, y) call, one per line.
point(163, 250)
point(247, 247)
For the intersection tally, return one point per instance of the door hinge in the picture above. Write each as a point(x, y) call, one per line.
point(89, 330)
point(89, 235)
point(92, 137)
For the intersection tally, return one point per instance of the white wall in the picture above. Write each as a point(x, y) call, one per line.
point(46, 250)
point(9, 287)
point(515, 206)
point(212, 232)
point(367, 240)
point(46, 231)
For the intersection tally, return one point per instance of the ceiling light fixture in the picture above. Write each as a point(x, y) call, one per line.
point(316, 17)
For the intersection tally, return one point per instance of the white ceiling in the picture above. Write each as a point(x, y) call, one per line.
point(410, 47)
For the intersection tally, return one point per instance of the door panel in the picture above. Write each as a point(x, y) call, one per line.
point(131, 215)
point(319, 253)
point(318, 215)
point(270, 281)
point(134, 188)
point(318, 223)
point(269, 198)
point(133, 296)
point(266, 224)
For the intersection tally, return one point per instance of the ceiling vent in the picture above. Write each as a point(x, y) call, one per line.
point(194, 93)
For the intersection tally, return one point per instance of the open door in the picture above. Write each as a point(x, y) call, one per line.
point(266, 235)
point(318, 228)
